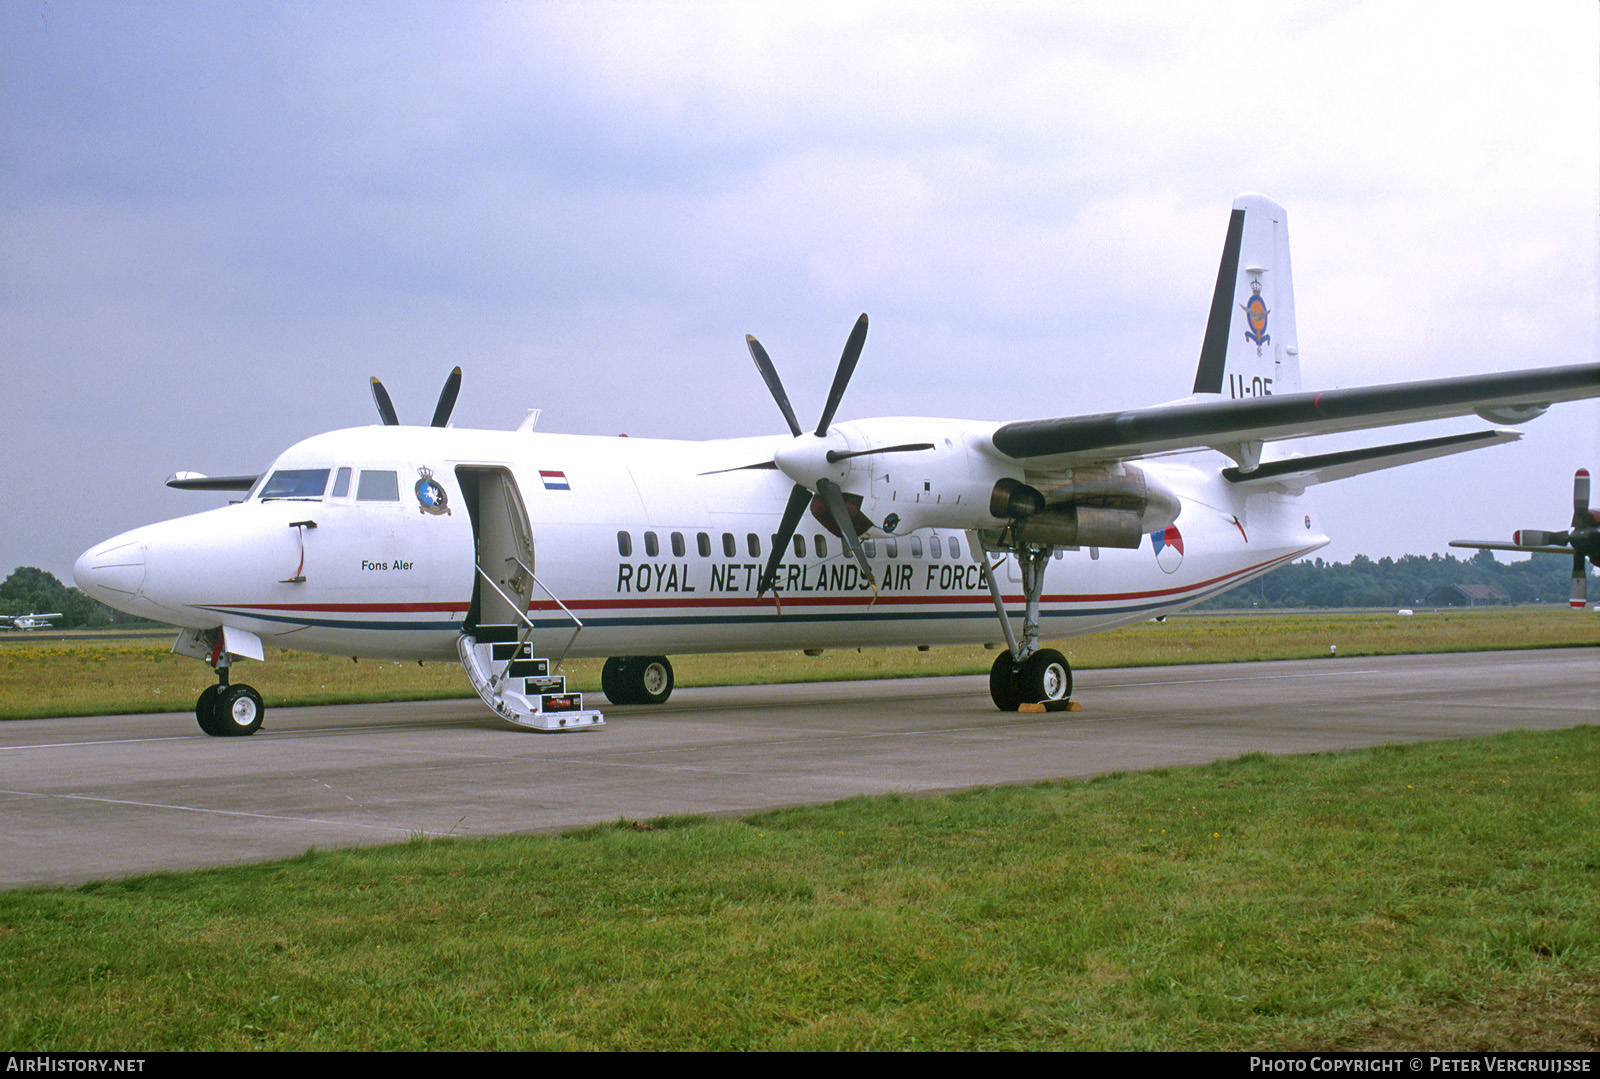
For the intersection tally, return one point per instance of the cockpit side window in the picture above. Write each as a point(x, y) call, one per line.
point(341, 483)
point(296, 483)
point(378, 487)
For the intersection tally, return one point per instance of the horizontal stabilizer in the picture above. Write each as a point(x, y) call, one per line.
point(1298, 473)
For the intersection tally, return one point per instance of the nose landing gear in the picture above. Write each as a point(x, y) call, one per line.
point(228, 710)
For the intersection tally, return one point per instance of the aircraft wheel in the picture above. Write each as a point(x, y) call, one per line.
point(1045, 676)
point(614, 680)
point(238, 710)
point(651, 679)
point(1004, 689)
point(205, 710)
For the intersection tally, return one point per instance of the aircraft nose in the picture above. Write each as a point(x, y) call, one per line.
point(112, 572)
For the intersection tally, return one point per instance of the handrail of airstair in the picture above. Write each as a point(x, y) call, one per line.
point(527, 622)
point(576, 621)
point(522, 638)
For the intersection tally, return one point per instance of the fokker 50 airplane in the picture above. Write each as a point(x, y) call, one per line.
point(492, 547)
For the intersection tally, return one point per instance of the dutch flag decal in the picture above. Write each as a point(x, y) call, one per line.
point(553, 481)
point(1168, 545)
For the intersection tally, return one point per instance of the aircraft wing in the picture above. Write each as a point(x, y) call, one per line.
point(1227, 424)
point(195, 481)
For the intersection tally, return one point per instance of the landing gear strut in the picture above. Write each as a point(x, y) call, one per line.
point(1025, 673)
point(225, 710)
point(636, 679)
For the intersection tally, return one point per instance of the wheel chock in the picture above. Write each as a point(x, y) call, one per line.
point(1050, 706)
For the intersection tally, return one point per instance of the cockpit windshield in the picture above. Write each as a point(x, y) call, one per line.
point(296, 483)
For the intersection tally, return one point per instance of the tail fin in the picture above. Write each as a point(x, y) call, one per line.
point(1250, 349)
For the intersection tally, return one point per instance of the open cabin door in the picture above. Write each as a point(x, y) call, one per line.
point(494, 642)
point(503, 540)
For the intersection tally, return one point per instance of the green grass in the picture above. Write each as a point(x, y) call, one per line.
point(1421, 896)
point(94, 677)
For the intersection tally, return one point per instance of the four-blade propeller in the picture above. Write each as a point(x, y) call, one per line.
point(1582, 539)
point(441, 411)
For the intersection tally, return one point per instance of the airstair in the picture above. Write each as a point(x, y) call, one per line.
point(518, 686)
point(494, 644)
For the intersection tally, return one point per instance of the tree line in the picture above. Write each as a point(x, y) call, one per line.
point(1402, 582)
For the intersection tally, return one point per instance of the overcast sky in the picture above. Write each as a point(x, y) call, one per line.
point(218, 219)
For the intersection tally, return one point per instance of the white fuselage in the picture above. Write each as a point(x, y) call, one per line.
point(656, 547)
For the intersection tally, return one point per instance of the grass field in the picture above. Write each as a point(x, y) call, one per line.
point(1429, 896)
point(93, 677)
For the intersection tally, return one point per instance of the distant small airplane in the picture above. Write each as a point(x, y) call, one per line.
point(29, 621)
point(418, 542)
point(1581, 540)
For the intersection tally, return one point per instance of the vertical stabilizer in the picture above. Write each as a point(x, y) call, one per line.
point(1250, 349)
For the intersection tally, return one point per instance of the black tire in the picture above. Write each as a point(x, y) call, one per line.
point(614, 680)
point(650, 679)
point(239, 710)
point(1003, 687)
point(1045, 676)
point(205, 710)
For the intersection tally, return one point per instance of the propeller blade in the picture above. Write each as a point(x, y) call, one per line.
point(385, 406)
point(447, 399)
point(1580, 582)
point(834, 456)
point(799, 499)
point(841, 377)
point(833, 498)
point(769, 373)
point(1580, 498)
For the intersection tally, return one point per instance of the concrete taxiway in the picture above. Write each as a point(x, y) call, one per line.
point(93, 798)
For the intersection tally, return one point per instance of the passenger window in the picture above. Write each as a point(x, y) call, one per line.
point(799, 546)
point(955, 547)
point(296, 483)
point(822, 546)
point(754, 544)
point(678, 547)
point(341, 483)
point(703, 544)
point(871, 547)
point(916, 546)
point(730, 546)
point(935, 546)
point(891, 548)
point(652, 546)
point(378, 487)
point(624, 544)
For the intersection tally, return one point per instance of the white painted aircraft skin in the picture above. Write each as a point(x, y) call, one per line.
point(384, 579)
point(1184, 500)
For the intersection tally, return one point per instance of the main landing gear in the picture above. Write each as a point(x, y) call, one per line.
point(636, 679)
point(226, 710)
point(1025, 673)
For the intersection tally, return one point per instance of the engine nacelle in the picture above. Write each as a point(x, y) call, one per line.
point(1085, 507)
point(1081, 526)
